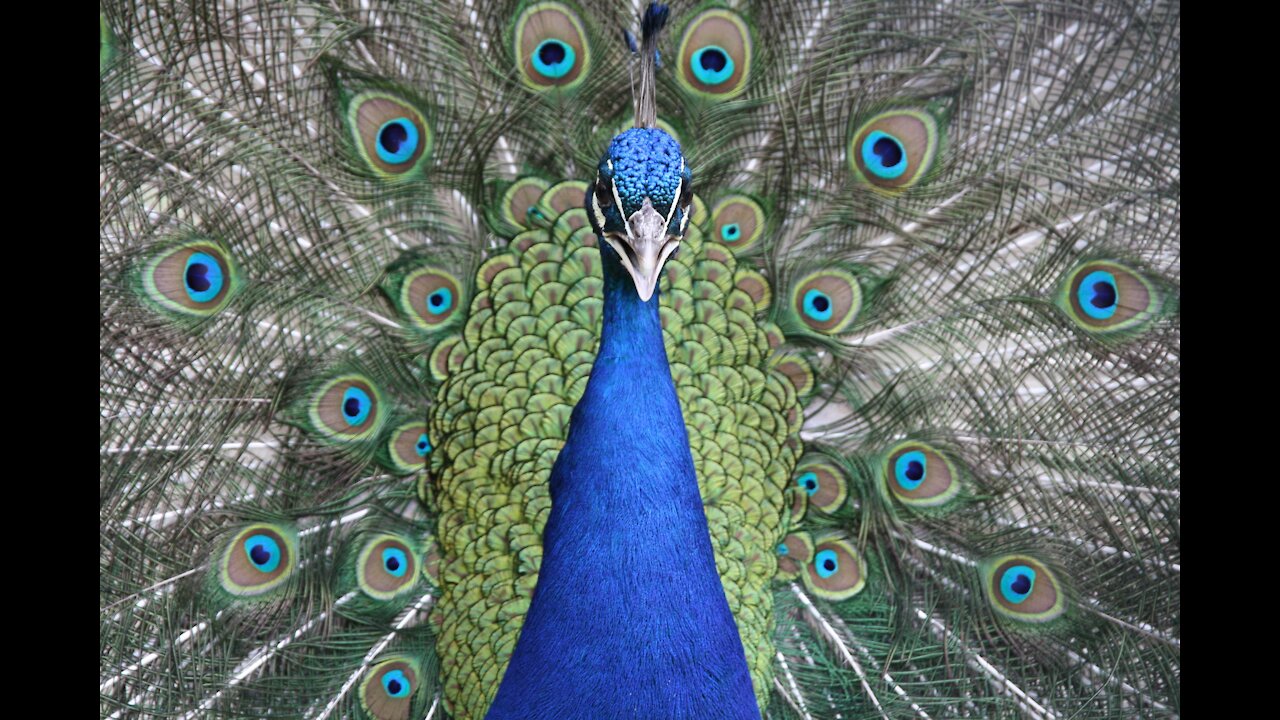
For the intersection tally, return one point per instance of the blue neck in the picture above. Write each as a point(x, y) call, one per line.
point(629, 618)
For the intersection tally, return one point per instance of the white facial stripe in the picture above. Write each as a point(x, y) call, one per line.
point(617, 199)
point(595, 209)
point(676, 203)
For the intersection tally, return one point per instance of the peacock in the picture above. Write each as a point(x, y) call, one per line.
point(577, 359)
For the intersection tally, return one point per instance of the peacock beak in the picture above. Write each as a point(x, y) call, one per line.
point(645, 248)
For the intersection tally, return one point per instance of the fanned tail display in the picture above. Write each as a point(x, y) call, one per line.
point(373, 312)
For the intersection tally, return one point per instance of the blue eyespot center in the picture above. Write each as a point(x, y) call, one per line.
point(711, 65)
point(395, 561)
point(817, 305)
point(1098, 295)
point(439, 301)
point(355, 406)
point(910, 469)
point(423, 445)
point(396, 684)
point(883, 155)
point(202, 277)
point(397, 141)
point(553, 58)
point(712, 59)
point(260, 555)
point(808, 482)
point(263, 552)
point(827, 563)
point(782, 549)
point(731, 232)
point(196, 279)
point(1017, 583)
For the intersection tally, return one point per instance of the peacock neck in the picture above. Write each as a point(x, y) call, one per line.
point(629, 617)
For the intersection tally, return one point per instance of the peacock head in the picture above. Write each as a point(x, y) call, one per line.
point(641, 203)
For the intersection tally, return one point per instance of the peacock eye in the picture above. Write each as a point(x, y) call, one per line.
point(1104, 296)
point(393, 559)
point(920, 475)
point(550, 46)
point(837, 572)
point(823, 483)
point(345, 409)
point(397, 141)
point(427, 296)
point(738, 221)
point(1017, 583)
point(407, 447)
point(894, 150)
point(711, 65)
point(1022, 588)
point(387, 689)
point(826, 563)
point(258, 559)
point(202, 277)
point(553, 59)
point(884, 155)
point(355, 406)
point(827, 301)
point(263, 552)
point(386, 567)
point(817, 305)
point(1098, 294)
point(909, 469)
point(439, 301)
point(194, 279)
point(604, 195)
point(391, 136)
point(715, 55)
point(396, 684)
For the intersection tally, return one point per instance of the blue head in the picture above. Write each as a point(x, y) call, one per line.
point(640, 204)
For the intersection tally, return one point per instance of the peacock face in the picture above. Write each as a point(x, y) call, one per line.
point(641, 203)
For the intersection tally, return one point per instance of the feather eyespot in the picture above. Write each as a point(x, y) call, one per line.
point(794, 553)
point(738, 222)
point(192, 280)
point(388, 689)
point(551, 47)
point(921, 475)
point(825, 484)
point(346, 409)
point(429, 297)
point(408, 447)
point(1022, 588)
point(837, 570)
point(1105, 297)
point(715, 55)
point(895, 150)
point(390, 135)
point(257, 560)
point(522, 195)
point(827, 301)
point(387, 567)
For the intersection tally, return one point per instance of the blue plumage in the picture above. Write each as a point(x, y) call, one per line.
point(630, 617)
